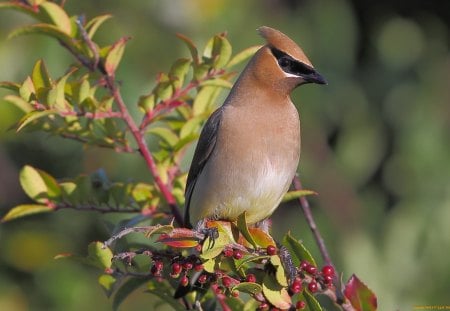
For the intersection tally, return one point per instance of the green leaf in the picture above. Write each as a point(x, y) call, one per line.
point(43, 29)
point(125, 290)
point(213, 249)
point(203, 100)
point(311, 302)
point(19, 103)
point(179, 71)
point(40, 76)
point(60, 97)
point(38, 185)
point(93, 25)
point(359, 295)
point(248, 287)
point(31, 116)
point(222, 51)
point(165, 134)
point(218, 83)
point(57, 15)
point(99, 255)
point(242, 225)
point(276, 294)
point(147, 103)
point(115, 55)
point(12, 86)
point(25, 210)
point(27, 89)
point(280, 275)
point(298, 249)
point(191, 47)
point(107, 281)
point(292, 195)
point(243, 55)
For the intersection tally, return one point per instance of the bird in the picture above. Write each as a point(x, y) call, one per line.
point(249, 148)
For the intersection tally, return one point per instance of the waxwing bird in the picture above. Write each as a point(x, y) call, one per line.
point(249, 148)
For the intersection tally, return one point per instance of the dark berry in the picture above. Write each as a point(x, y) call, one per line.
point(187, 265)
point(328, 279)
point(237, 254)
point(176, 268)
point(271, 250)
point(300, 305)
point(226, 281)
point(312, 286)
point(250, 278)
point(228, 252)
point(202, 278)
point(311, 269)
point(198, 267)
point(328, 270)
point(159, 265)
point(184, 281)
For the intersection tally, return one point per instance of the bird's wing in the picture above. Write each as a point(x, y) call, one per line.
point(203, 151)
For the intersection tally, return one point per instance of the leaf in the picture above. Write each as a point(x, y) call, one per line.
point(93, 25)
point(311, 302)
point(191, 47)
point(218, 83)
point(60, 99)
point(179, 71)
point(298, 249)
point(19, 7)
point(107, 281)
point(165, 134)
point(40, 76)
point(25, 210)
point(222, 51)
point(147, 102)
point(43, 29)
point(280, 275)
point(212, 249)
point(12, 86)
point(115, 55)
point(276, 294)
point(248, 287)
point(57, 15)
point(31, 116)
point(38, 185)
point(19, 103)
point(359, 295)
point(292, 195)
point(242, 225)
point(243, 55)
point(125, 290)
point(179, 238)
point(99, 255)
point(203, 99)
point(261, 238)
point(27, 89)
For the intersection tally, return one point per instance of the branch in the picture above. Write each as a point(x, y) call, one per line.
point(97, 208)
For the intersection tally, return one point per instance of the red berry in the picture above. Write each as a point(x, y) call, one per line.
point(312, 286)
point(198, 267)
point(328, 279)
point(228, 252)
point(159, 265)
point(296, 287)
point(202, 278)
point(237, 254)
point(235, 293)
point(184, 281)
point(300, 305)
point(176, 268)
point(328, 270)
point(311, 269)
point(250, 278)
point(263, 306)
point(219, 290)
point(226, 281)
point(304, 264)
point(187, 265)
point(271, 250)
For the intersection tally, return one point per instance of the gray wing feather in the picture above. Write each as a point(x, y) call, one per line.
point(203, 151)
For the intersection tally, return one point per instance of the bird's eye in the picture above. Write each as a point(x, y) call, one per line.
point(284, 63)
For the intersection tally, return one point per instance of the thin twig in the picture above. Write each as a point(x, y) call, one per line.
point(95, 208)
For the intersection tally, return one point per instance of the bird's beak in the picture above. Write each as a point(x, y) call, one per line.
point(314, 77)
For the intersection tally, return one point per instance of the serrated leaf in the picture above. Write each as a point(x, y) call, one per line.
point(179, 71)
point(57, 15)
point(311, 302)
point(125, 290)
point(276, 294)
point(248, 259)
point(218, 83)
point(32, 116)
point(165, 134)
point(295, 194)
point(115, 56)
point(93, 25)
point(242, 225)
point(25, 210)
point(40, 76)
point(19, 103)
point(191, 47)
point(243, 55)
point(99, 255)
point(43, 29)
point(298, 249)
point(248, 287)
point(359, 295)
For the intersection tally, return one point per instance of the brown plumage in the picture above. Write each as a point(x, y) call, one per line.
point(249, 149)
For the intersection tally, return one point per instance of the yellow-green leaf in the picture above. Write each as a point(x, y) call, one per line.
point(25, 210)
point(27, 89)
point(179, 70)
point(243, 55)
point(248, 287)
point(19, 103)
point(115, 55)
point(203, 99)
point(40, 76)
point(107, 281)
point(99, 255)
point(242, 225)
point(218, 83)
point(276, 294)
point(93, 25)
point(57, 15)
point(191, 47)
point(280, 275)
point(311, 302)
point(222, 51)
point(43, 29)
point(31, 116)
point(166, 134)
point(38, 185)
point(295, 194)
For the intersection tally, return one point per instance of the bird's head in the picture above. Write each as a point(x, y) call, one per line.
point(281, 63)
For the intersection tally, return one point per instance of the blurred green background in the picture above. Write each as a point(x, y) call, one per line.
point(376, 141)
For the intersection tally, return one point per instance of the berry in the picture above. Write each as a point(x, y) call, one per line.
point(312, 286)
point(328, 270)
point(235, 293)
point(300, 305)
point(296, 287)
point(198, 267)
point(219, 290)
point(228, 252)
point(328, 279)
point(304, 264)
point(271, 250)
point(202, 278)
point(188, 265)
point(176, 268)
point(226, 281)
point(311, 269)
point(159, 265)
point(250, 278)
point(184, 281)
point(237, 254)
point(263, 306)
